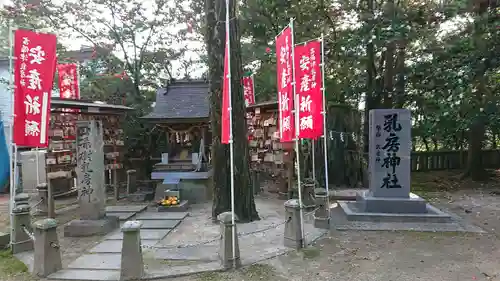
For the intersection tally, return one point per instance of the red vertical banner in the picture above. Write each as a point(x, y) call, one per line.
point(225, 122)
point(248, 90)
point(285, 87)
point(309, 89)
point(68, 81)
point(33, 78)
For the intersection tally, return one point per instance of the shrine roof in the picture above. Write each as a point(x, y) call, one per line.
point(87, 106)
point(268, 105)
point(182, 101)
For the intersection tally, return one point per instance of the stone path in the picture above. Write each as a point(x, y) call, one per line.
point(102, 262)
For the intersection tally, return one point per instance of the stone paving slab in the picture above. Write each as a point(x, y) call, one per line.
point(126, 209)
point(146, 234)
point(159, 224)
point(86, 274)
point(162, 216)
point(183, 270)
point(97, 261)
point(200, 253)
point(121, 216)
point(115, 246)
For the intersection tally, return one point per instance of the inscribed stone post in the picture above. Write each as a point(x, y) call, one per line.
point(390, 150)
point(90, 170)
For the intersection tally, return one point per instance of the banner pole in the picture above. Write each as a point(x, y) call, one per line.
point(11, 129)
point(313, 152)
point(297, 148)
point(37, 167)
point(253, 88)
point(231, 147)
point(325, 138)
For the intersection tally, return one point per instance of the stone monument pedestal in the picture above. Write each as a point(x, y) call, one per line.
point(83, 228)
point(376, 209)
point(389, 198)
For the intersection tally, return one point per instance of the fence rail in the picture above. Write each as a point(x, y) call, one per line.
point(420, 161)
point(448, 160)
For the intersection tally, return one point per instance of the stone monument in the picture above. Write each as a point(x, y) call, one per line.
point(389, 197)
point(90, 183)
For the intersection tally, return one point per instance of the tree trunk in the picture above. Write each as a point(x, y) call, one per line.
point(475, 167)
point(370, 85)
point(477, 127)
point(215, 42)
point(346, 164)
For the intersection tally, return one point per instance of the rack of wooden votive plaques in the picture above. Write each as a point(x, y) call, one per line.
point(267, 154)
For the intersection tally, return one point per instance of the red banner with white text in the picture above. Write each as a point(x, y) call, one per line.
point(284, 63)
point(309, 89)
point(248, 90)
point(33, 78)
point(226, 127)
point(68, 81)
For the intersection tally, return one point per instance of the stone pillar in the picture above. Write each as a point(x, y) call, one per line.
point(226, 242)
point(43, 196)
point(131, 181)
point(21, 199)
point(322, 214)
point(293, 228)
point(47, 252)
point(90, 170)
point(132, 266)
point(21, 241)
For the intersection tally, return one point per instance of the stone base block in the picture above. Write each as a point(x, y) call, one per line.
point(322, 223)
point(181, 207)
point(4, 240)
point(141, 196)
point(411, 205)
point(83, 228)
point(353, 212)
point(22, 246)
point(291, 243)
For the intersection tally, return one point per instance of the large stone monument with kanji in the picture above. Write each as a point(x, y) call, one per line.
point(388, 197)
point(90, 183)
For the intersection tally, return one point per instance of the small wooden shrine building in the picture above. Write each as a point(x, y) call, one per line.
point(182, 112)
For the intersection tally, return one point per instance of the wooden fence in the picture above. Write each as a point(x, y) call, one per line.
point(447, 160)
point(420, 161)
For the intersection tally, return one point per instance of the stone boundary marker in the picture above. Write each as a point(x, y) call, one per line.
point(132, 265)
point(47, 250)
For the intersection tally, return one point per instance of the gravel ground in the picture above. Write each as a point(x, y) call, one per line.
point(373, 255)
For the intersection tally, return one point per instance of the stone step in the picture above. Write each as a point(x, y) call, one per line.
point(199, 253)
point(121, 216)
point(97, 261)
point(146, 234)
point(159, 224)
point(86, 275)
point(115, 246)
point(126, 209)
point(162, 216)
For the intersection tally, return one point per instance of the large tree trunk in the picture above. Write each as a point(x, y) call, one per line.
point(215, 41)
point(477, 127)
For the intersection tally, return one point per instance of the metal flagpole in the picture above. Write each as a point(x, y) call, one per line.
point(231, 147)
point(325, 137)
point(11, 129)
point(297, 154)
point(313, 160)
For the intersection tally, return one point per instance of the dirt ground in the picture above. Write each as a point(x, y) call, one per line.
point(376, 255)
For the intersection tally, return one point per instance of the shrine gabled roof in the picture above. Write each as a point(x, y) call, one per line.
point(181, 100)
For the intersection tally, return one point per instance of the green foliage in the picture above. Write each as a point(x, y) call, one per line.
point(450, 75)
